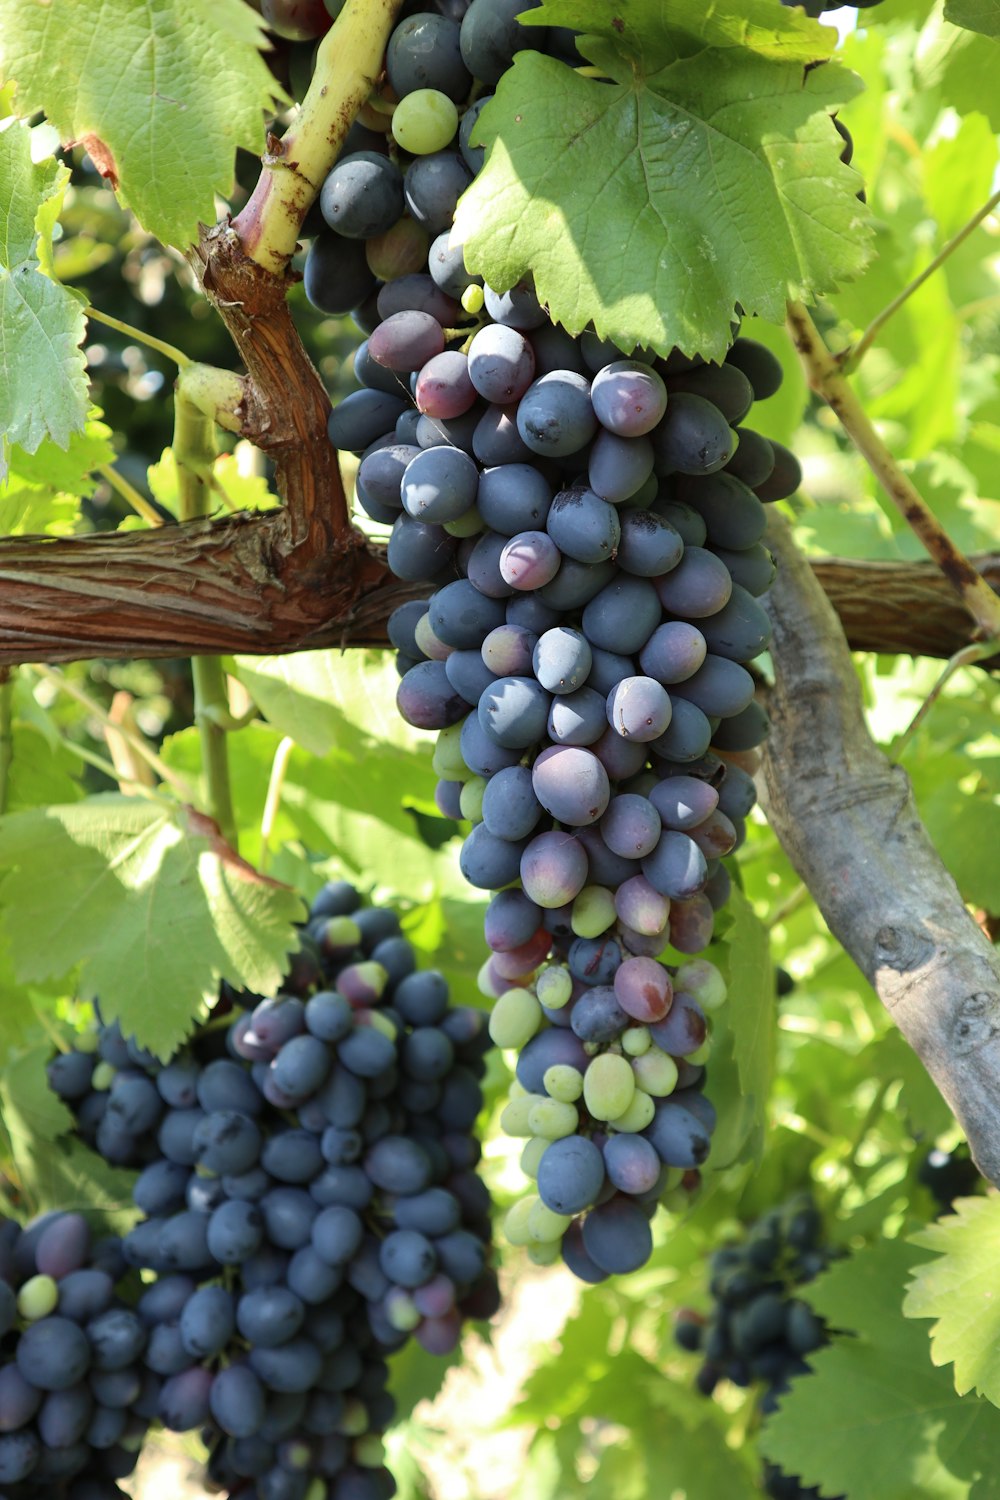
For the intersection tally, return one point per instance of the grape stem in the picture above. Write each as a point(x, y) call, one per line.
point(826, 379)
point(279, 769)
point(348, 63)
point(194, 454)
point(849, 359)
point(967, 657)
point(130, 494)
point(177, 356)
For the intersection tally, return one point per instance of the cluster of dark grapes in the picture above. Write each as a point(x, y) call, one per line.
point(75, 1397)
point(759, 1331)
point(591, 524)
point(310, 1200)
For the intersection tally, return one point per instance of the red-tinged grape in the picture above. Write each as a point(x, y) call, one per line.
point(643, 989)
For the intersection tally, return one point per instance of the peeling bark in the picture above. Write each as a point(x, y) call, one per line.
point(846, 818)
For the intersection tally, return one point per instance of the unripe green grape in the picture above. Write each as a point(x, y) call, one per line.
point(515, 1224)
point(87, 1041)
point(470, 799)
point(368, 1451)
point(638, 1115)
point(354, 1418)
point(544, 1225)
point(563, 1082)
point(472, 522)
point(104, 1077)
point(517, 1090)
point(473, 298)
point(702, 1055)
point(342, 932)
point(401, 1311)
point(636, 1040)
point(515, 1018)
point(702, 981)
point(545, 1254)
point(484, 982)
point(514, 1117)
point(447, 758)
point(655, 1072)
point(37, 1298)
point(424, 122)
point(532, 1154)
point(608, 1086)
point(593, 911)
point(554, 986)
point(316, 1491)
point(553, 1119)
point(381, 1022)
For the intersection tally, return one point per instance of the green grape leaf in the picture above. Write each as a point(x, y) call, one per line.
point(962, 65)
point(750, 1008)
point(29, 1104)
point(652, 205)
point(44, 391)
point(152, 906)
point(975, 15)
point(29, 511)
point(68, 470)
point(876, 1420)
point(161, 95)
point(655, 31)
point(958, 1289)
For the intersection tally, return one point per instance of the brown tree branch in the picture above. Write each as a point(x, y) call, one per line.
point(239, 584)
point(846, 818)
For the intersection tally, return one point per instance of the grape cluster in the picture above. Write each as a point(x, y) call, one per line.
point(591, 524)
point(75, 1398)
point(309, 1201)
point(759, 1331)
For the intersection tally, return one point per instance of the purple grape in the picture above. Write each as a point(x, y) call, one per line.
point(630, 826)
point(571, 784)
point(501, 364)
point(444, 388)
point(628, 397)
point(530, 559)
point(639, 708)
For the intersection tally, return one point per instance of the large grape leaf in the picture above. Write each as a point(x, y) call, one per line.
point(653, 204)
point(975, 15)
point(160, 93)
point(751, 1006)
point(877, 1421)
point(44, 390)
point(959, 1288)
point(962, 65)
point(653, 29)
point(150, 904)
point(68, 470)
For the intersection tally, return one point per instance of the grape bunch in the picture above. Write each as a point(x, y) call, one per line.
point(309, 1201)
point(590, 522)
point(75, 1398)
point(759, 1331)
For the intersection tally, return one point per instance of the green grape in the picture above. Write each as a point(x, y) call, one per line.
point(544, 1225)
point(473, 298)
point(375, 977)
point(608, 1086)
point(545, 1254)
point(484, 981)
point(636, 1040)
point(638, 1115)
point(354, 1418)
point(593, 911)
point(470, 799)
point(563, 1082)
point(532, 1154)
point(447, 758)
point(554, 986)
point(104, 1077)
point(368, 1451)
point(703, 982)
point(381, 1022)
point(516, 1017)
point(552, 1119)
point(403, 1314)
point(342, 932)
point(317, 1490)
point(514, 1118)
point(703, 1053)
point(472, 522)
point(37, 1298)
point(424, 122)
point(87, 1041)
point(655, 1072)
point(515, 1224)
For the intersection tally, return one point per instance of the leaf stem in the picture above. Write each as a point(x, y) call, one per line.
point(850, 358)
point(348, 63)
point(194, 455)
point(130, 494)
point(829, 383)
point(6, 734)
point(279, 769)
point(64, 685)
point(967, 657)
point(177, 356)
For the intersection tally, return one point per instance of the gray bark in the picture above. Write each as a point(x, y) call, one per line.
point(847, 820)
